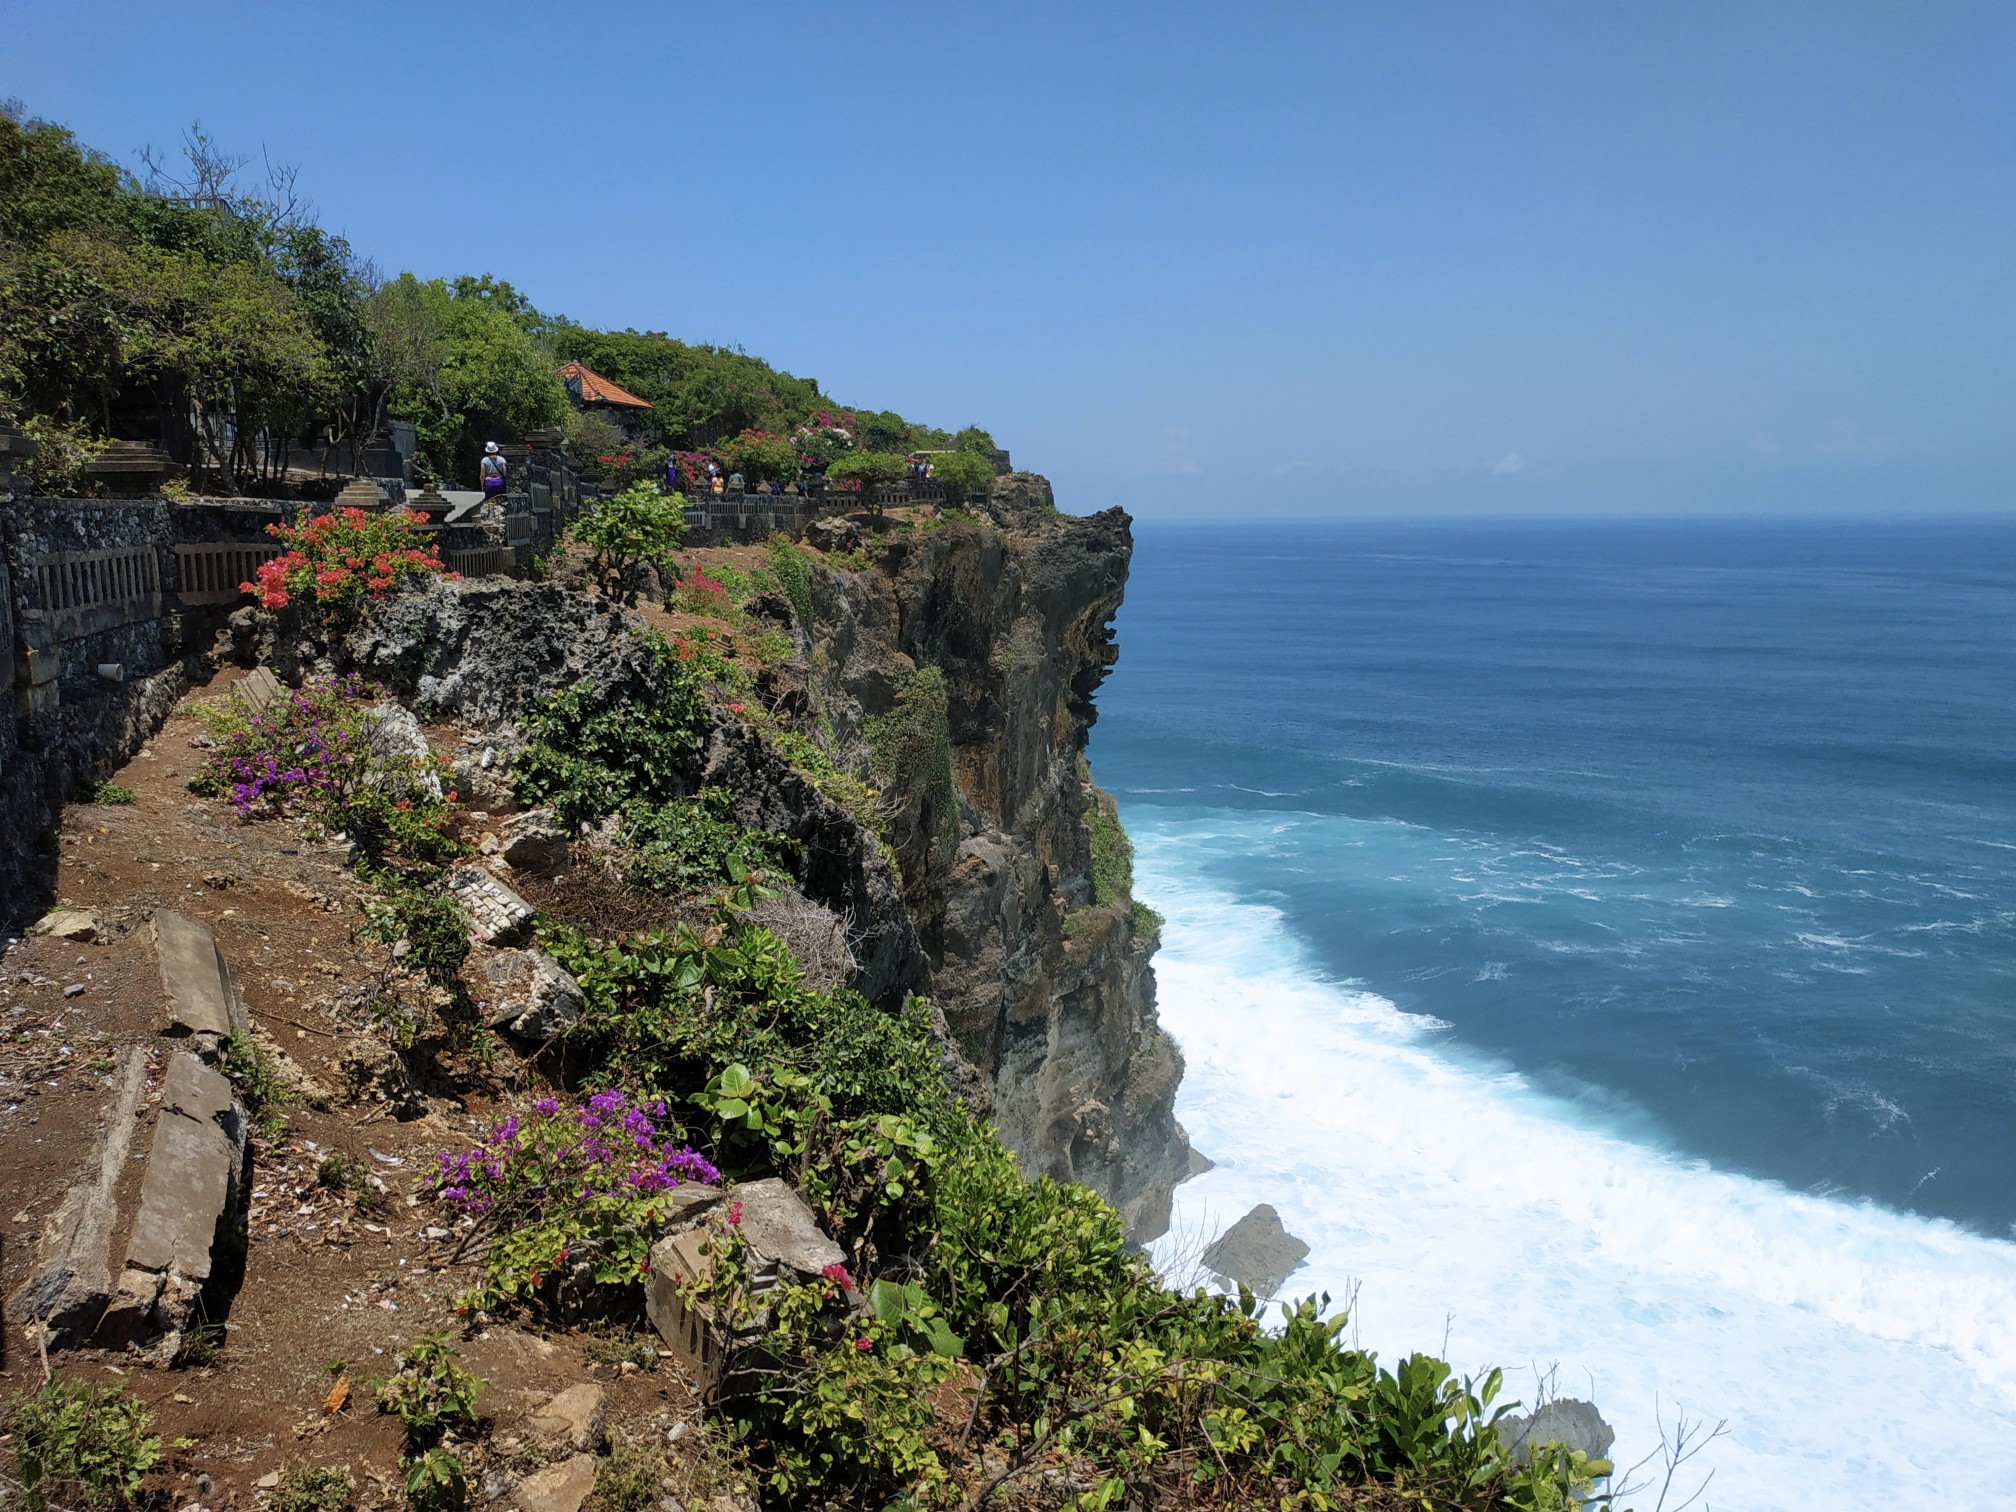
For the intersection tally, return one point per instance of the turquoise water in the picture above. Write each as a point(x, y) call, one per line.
point(1605, 933)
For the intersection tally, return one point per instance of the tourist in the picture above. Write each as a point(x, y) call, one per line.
point(671, 475)
point(713, 477)
point(492, 470)
point(735, 481)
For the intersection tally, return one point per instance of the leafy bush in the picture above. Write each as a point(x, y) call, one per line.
point(429, 1391)
point(589, 756)
point(257, 1083)
point(436, 1482)
point(963, 470)
point(1112, 851)
point(339, 559)
point(869, 468)
point(58, 470)
point(76, 1440)
point(759, 455)
point(638, 529)
point(568, 1199)
point(691, 845)
point(697, 593)
point(112, 793)
point(425, 930)
point(631, 1479)
point(912, 743)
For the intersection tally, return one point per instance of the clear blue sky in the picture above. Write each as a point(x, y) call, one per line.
point(1500, 257)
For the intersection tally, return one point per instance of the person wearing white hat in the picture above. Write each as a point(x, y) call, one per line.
point(493, 470)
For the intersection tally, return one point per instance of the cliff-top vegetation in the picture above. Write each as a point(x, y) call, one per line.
point(189, 307)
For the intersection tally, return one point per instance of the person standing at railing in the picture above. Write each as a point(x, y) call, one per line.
point(492, 470)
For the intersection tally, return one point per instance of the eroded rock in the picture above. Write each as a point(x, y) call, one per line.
point(1565, 1420)
point(571, 1419)
point(532, 996)
point(535, 842)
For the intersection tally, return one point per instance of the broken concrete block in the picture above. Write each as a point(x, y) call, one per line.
point(259, 688)
point(784, 1246)
point(69, 924)
point(572, 1419)
point(203, 996)
point(73, 1281)
point(535, 842)
point(189, 1200)
point(557, 1488)
point(497, 915)
point(537, 997)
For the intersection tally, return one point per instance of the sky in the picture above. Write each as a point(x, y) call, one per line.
point(1505, 258)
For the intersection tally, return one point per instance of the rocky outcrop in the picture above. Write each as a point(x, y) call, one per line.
point(1256, 1252)
point(1049, 996)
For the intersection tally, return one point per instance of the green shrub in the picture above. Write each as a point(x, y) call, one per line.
point(794, 576)
point(74, 1440)
point(429, 1391)
point(425, 930)
point(1112, 851)
point(436, 1482)
point(638, 529)
point(692, 845)
point(912, 743)
point(966, 471)
point(63, 454)
point(253, 1075)
point(111, 792)
point(305, 1489)
point(589, 756)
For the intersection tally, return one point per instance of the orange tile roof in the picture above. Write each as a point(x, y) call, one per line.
point(595, 389)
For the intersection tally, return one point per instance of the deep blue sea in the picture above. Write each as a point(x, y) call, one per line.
point(1598, 940)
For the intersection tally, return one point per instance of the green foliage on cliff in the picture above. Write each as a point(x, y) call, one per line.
point(637, 530)
point(794, 576)
point(1112, 851)
point(912, 744)
point(1081, 1356)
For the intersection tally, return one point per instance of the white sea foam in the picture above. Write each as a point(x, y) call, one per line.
point(1863, 1358)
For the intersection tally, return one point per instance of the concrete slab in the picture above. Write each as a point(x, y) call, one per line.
point(497, 915)
point(260, 688)
point(73, 1281)
point(203, 999)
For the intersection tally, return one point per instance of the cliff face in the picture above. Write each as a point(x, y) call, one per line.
point(1050, 996)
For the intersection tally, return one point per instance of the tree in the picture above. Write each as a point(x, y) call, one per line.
point(641, 527)
point(492, 381)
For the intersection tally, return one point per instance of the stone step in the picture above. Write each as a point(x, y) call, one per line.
point(204, 1000)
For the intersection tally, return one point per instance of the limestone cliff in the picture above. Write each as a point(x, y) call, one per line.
point(1051, 997)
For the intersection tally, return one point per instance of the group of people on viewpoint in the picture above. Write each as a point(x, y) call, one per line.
point(493, 475)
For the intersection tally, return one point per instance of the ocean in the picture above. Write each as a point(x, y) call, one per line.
point(1598, 940)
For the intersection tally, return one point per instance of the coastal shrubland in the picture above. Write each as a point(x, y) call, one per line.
point(1011, 1338)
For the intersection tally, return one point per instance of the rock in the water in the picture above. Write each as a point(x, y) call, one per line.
point(1199, 1163)
point(537, 997)
point(535, 842)
point(571, 1420)
point(1258, 1251)
point(1565, 1420)
point(557, 1488)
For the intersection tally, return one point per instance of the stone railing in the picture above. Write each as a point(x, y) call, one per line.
point(83, 592)
point(480, 561)
point(213, 573)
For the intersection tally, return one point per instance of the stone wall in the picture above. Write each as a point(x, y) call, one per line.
point(105, 609)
